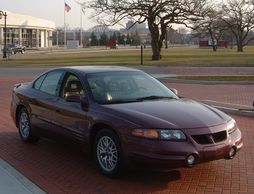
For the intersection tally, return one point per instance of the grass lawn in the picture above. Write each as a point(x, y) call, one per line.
point(171, 56)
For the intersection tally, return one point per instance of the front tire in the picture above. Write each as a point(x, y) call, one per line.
point(24, 127)
point(107, 153)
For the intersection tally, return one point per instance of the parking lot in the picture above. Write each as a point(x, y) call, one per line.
point(62, 168)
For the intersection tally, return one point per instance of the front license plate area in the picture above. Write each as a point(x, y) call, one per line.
point(215, 151)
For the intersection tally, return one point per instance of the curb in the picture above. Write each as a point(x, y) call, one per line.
point(14, 182)
point(231, 108)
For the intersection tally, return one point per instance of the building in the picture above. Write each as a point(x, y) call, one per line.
point(133, 27)
point(139, 29)
point(27, 30)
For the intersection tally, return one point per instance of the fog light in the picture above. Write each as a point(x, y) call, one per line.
point(232, 152)
point(191, 160)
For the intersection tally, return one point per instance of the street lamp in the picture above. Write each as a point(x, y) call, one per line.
point(1, 16)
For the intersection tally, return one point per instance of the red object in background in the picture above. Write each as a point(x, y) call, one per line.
point(111, 44)
point(223, 43)
point(203, 43)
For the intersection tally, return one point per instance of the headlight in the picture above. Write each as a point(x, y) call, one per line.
point(163, 134)
point(231, 126)
point(172, 135)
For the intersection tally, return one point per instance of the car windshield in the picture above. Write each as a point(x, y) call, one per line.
point(126, 87)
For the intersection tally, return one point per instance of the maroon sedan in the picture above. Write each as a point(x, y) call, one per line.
point(124, 117)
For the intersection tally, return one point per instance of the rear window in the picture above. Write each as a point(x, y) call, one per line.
point(38, 82)
point(48, 83)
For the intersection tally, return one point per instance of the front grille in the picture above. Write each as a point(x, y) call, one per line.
point(210, 138)
point(220, 136)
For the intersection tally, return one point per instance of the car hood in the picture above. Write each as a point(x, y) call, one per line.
point(183, 113)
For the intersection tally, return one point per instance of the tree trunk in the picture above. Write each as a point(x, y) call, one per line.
point(239, 48)
point(214, 48)
point(213, 40)
point(155, 42)
point(156, 52)
point(155, 46)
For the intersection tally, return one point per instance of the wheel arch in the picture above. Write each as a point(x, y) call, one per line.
point(18, 109)
point(98, 127)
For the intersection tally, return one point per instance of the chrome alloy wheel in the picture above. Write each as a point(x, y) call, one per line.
point(24, 125)
point(107, 153)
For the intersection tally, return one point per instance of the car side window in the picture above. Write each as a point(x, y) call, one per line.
point(72, 86)
point(38, 82)
point(50, 83)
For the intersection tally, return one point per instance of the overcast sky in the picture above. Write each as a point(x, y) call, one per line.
point(52, 10)
point(49, 9)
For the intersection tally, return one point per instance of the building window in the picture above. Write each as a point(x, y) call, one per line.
point(29, 38)
point(12, 36)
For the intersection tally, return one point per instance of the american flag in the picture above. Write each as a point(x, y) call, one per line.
point(67, 8)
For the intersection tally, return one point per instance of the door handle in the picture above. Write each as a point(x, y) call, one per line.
point(31, 100)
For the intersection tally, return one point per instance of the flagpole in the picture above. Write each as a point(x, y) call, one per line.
point(64, 27)
point(81, 31)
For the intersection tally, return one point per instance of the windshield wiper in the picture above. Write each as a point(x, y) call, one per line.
point(121, 101)
point(155, 97)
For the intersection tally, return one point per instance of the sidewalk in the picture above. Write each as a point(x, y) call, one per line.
point(12, 182)
point(231, 108)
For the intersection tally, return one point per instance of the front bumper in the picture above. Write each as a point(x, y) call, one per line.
point(163, 155)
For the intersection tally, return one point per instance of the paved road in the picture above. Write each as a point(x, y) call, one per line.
point(35, 71)
point(61, 168)
point(21, 72)
point(170, 71)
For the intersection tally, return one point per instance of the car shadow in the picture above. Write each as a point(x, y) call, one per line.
point(59, 167)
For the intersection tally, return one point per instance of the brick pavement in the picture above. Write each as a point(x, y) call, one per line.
point(59, 168)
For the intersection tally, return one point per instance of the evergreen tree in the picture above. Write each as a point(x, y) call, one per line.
point(114, 36)
point(120, 38)
point(136, 39)
point(128, 39)
point(94, 40)
point(103, 39)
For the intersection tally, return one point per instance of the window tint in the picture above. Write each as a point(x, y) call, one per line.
point(50, 83)
point(37, 83)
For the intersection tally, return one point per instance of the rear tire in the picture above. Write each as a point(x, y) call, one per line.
point(24, 127)
point(107, 153)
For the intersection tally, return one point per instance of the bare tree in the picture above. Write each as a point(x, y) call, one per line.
point(211, 26)
point(159, 14)
point(238, 15)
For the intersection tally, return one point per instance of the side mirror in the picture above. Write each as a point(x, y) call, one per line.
point(174, 91)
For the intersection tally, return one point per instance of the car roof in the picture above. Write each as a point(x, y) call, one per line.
point(97, 69)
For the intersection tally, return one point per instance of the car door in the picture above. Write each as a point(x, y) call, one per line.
point(45, 94)
point(69, 117)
